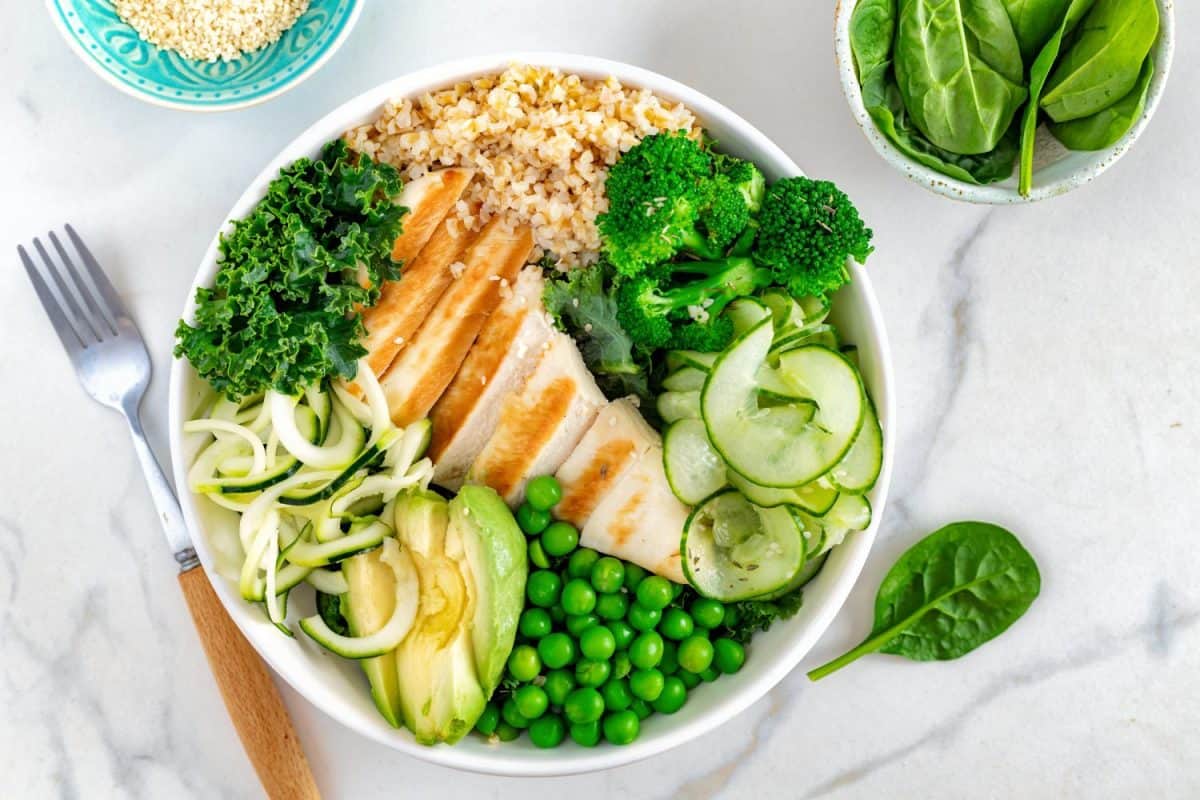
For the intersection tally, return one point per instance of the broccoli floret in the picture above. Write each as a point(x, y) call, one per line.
point(746, 178)
point(679, 305)
point(806, 231)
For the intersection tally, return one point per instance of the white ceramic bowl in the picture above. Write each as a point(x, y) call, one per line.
point(1056, 169)
point(336, 686)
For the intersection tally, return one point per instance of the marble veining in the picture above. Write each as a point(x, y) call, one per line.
point(1048, 379)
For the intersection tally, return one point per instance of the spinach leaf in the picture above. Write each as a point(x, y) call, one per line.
point(1104, 60)
point(956, 589)
point(1037, 81)
point(872, 28)
point(1034, 22)
point(959, 69)
point(1105, 128)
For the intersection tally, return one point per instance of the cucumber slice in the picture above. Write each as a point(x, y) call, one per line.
point(745, 313)
point(824, 335)
point(674, 406)
point(772, 384)
point(388, 637)
point(733, 550)
point(851, 511)
point(812, 498)
point(803, 577)
point(784, 310)
point(678, 359)
point(858, 470)
point(688, 379)
point(780, 447)
point(364, 535)
point(694, 470)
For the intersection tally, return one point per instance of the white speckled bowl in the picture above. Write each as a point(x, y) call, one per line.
point(337, 686)
point(1056, 169)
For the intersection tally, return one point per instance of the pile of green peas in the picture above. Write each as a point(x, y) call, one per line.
point(601, 644)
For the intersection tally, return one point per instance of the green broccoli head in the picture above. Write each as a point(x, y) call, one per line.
point(679, 305)
point(746, 178)
point(807, 230)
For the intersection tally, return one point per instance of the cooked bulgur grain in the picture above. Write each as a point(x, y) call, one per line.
point(207, 30)
point(541, 140)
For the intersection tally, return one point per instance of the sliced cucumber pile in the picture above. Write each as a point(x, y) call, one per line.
point(775, 443)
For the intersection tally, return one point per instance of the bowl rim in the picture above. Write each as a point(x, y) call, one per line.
point(785, 659)
point(995, 194)
point(335, 44)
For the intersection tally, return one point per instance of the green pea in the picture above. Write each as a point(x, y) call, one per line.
point(708, 613)
point(531, 701)
point(558, 615)
point(690, 679)
point(617, 696)
point(488, 720)
point(672, 697)
point(608, 574)
point(585, 734)
point(543, 587)
point(655, 592)
point(597, 643)
point(506, 732)
point(592, 673)
point(577, 624)
point(695, 654)
point(578, 597)
point(646, 684)
point(670, 659)
point(535, 623)
point(524, 663)
point(728, 655)
point(633, 576)
point(537, 556)
point(560, 538)
point(676, 590)
point(612, 606)
point(676, 624)
point(532, 520)
point(622, 666)
point(584, 705)
point(543, 492)
point(709, 675)
point(623, 633)
point(556, 650)
point(642, 618)
point(732, 616)
point(559, 683)
point(621, 727)
point(547, 731)
point(646, 651)
point(512, 715)
point(641, 708)
point(580, 563)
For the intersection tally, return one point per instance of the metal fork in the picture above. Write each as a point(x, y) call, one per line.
point(113, 365)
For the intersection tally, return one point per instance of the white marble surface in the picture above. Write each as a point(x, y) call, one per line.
point(1048, 380)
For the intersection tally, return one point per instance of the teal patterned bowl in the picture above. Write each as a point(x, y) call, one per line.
point(116, 53)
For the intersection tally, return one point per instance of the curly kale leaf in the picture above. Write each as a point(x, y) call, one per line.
point(751, 616)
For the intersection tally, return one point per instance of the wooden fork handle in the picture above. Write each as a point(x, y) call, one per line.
point(253, 702)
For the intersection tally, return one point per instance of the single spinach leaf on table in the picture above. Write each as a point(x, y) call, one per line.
point(958, 66)
point(872, 29)
point(1105, 128)
point(1038, 73)
point(1034, 22)
point(956, 589)
point(1104, 59)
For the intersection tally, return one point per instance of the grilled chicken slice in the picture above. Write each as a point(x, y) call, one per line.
point(540, 423)
point(614, 443)
point(425, 366)
point(503, 355)
point(640, 519)
point(427, 247)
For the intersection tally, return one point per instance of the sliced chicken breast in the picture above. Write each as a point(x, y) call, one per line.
point(640, 519)
point(504, 354)
point(426, 247)
point(425, 366)
point(540, 423)
point(617, 439)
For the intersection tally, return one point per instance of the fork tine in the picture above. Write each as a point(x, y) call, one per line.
point(98, 318)
point(111, 301)
point(79, 322)
point(69, 337)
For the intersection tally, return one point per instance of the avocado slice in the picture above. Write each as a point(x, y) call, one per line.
point(366, 607)
point(494, 550)
point(441, 697)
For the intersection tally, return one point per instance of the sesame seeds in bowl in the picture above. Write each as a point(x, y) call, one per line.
point(252, 54)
